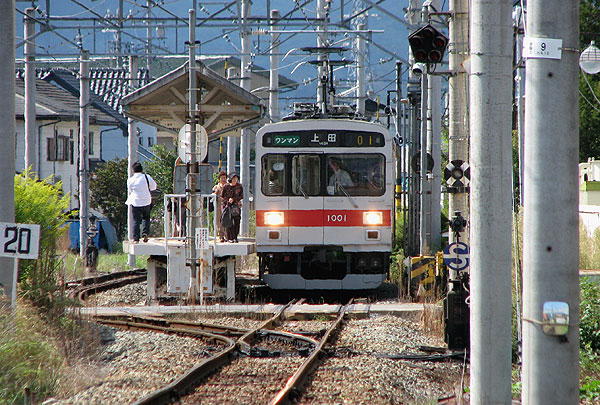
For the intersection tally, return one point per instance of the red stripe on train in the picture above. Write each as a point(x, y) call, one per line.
point(306, 218)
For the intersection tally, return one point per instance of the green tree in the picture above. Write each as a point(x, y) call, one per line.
point(161, 167)
point(108, 188)
point(589, 107)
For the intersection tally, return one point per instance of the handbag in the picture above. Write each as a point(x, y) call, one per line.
point(154, 194)
point(226, 218)
point(235, 211)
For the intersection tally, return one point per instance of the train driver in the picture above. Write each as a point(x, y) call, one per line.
point(340, 177)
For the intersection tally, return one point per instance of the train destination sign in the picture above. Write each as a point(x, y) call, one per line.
point(324, 138)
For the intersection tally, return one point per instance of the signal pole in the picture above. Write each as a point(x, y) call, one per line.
point(194, 207)
point(491, 206)
point(550, 225)
point(425, 212)
point(7, 141)
point(458, 137)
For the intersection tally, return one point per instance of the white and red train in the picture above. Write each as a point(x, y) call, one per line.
point(324, 203)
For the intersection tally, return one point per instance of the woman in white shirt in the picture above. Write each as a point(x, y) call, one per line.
point(138, 189)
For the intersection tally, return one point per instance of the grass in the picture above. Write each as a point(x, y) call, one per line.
point(41, 358)
point(107, 263)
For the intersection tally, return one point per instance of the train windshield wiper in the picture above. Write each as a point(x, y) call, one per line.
point(300, 187)
point(347, 195)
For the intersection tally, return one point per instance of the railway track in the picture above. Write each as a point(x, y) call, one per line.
point(276, 361)
point(81, 289)
point(296, 356)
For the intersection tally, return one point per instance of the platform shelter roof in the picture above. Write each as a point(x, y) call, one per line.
point(223, 107)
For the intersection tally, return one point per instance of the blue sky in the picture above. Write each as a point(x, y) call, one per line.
point(222, 37)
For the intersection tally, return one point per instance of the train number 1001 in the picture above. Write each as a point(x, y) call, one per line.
point(336, 217)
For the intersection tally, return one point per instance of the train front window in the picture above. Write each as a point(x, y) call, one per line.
point(306, 175)
point(355, 174)
point(274, 174)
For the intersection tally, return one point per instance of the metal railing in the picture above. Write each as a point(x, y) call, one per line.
point(176, 213)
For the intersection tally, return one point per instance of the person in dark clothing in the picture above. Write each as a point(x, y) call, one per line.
point(232, 196)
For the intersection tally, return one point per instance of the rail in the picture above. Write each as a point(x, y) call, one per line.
point(176, 212)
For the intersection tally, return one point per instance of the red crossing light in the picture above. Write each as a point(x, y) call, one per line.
point(428, 44)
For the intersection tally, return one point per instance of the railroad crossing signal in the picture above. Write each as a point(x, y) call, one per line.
point(428, 44)
point(457, 174)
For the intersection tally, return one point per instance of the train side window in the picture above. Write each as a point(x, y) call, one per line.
point(273, 174)
point(306, 175)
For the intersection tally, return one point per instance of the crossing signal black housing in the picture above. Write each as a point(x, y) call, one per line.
point(428, 44)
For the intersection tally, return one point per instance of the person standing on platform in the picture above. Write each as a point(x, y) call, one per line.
point(138, 189)
point(218, 191)
point(232, 195)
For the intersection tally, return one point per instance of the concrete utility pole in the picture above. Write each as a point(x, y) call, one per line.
point(550, 222)
point(361, 88)
point(118, 36)
point(520, 94)
point(132, 150)
point(231, 139)
point(245, 138)
point(31, 145)
point(84, 134)
point(274, 74)
point(491, 207)
point(7, 140)
point(194, 208)
point(458, 137)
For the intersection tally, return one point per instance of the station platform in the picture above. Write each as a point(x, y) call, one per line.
point(158, 247)
point(298, 311)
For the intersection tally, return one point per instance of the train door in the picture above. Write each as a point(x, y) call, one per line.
point(305, 201)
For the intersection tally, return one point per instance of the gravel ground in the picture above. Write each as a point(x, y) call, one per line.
point(134, 364)
point(381, 380)
point(132, 294)
point(246, 381)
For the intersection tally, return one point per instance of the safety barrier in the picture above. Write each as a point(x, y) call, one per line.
point(177, 211)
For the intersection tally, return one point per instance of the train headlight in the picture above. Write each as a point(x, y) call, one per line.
point(273, 218)
point(372, 218)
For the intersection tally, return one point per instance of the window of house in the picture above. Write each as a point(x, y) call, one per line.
point(58, 148)
point(150, 141)
point(91, 144)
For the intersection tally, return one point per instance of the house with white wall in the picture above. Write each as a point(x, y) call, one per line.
point(57, 135)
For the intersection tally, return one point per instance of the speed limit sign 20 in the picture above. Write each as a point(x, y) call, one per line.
point(21, 241)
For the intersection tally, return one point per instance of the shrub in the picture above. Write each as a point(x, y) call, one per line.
point(38, 202)
point(589, 310)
